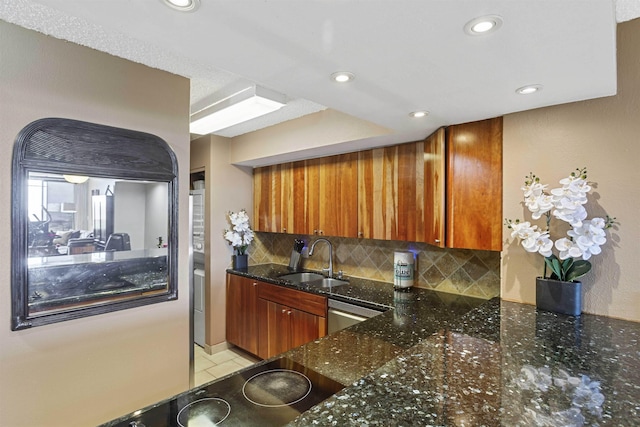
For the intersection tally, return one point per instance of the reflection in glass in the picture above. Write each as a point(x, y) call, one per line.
point(94, 242)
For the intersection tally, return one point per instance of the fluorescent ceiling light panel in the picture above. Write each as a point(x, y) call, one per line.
point(240, 107)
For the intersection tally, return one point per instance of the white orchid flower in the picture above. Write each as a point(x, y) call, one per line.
point(539, 205)
point(535, 189)
point(522, 230)
point(567, 248)
point(530, 243)
point(241, 235)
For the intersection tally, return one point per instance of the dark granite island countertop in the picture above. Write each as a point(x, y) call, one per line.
point(443, 360)
point(502, 364)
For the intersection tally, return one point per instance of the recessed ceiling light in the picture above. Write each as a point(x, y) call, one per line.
point(419, 114)
point(183, 5)
point(483, 25)
point(529, 89)
point(342, 76)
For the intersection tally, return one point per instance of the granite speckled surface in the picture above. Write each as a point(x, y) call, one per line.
point(368, 293)
point(445, 360)
point(88, 278)
point(501, 364)
point(442, 361)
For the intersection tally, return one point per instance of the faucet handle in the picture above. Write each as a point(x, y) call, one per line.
point(340, 274)
point(326, 270)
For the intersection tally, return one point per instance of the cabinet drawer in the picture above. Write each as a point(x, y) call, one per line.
point(310, 303)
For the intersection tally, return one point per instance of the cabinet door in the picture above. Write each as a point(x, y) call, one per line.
point(275, 328)
point(288, 318)
point(305, 327)
point(273, 198)
point(284, 328)
point(311, 199)
point(297, 219)
point(434, 188)
point(474, 185)
point(241, 312)
point(338, 195)
point(262, 204)
point(391, 193)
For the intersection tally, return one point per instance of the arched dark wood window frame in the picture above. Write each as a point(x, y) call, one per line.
point(59, 145)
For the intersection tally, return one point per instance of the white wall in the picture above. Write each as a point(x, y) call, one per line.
point(157, 210)
point(87, 371)
point(130, 211)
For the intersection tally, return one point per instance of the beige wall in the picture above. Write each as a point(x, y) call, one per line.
point(604, 136)
point(227, 188)
point(313, 135)
point(88, 371)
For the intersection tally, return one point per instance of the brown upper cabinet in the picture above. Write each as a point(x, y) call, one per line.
point(445, 191)
point(337, 195)
point(391, 193)
point(273, 198)
point(434, 188)
point(474, 185)
point(401, 191)
point(317, 196)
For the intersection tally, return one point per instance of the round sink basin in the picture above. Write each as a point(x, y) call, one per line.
point(302, 277)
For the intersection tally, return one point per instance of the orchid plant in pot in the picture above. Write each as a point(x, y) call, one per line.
point(240, 237)
point(559, 290)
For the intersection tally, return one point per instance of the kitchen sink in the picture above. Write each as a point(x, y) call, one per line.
point(302, 277)
point(326, 282)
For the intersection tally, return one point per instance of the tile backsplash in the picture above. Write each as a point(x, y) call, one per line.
point(457, 271)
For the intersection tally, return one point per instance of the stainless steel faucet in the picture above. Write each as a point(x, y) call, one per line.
point(313, 245)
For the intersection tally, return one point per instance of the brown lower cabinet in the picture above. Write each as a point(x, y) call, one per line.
point(267, 320)
point(242, 313)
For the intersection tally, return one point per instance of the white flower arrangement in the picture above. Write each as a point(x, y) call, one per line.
point(565, 203)
point(240, 236)
point(559, 399)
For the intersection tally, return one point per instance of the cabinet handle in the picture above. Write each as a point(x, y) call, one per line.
point(360, 234)
point(315, 231)
point(284, 310)
point(284, 230)
point(255, 284)
point(437, 240)
point(289, 313)
point(320, 232)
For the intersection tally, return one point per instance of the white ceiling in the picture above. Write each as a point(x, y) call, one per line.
point(406, 54)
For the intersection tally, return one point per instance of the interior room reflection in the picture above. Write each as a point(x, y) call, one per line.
point(94, 240)
point(94, 215)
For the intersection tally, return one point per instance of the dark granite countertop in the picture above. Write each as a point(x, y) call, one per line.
point(92, 278)
point(445, 360)
point(364, 292)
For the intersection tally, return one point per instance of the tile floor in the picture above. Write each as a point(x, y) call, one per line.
point(209, 367)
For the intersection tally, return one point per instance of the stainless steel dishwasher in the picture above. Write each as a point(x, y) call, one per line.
point(342, 315)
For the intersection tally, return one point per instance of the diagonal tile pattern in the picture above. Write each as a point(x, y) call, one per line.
point(458, 271)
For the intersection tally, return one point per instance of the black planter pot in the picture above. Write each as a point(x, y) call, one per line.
point(558, 296)
point(240, 262)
